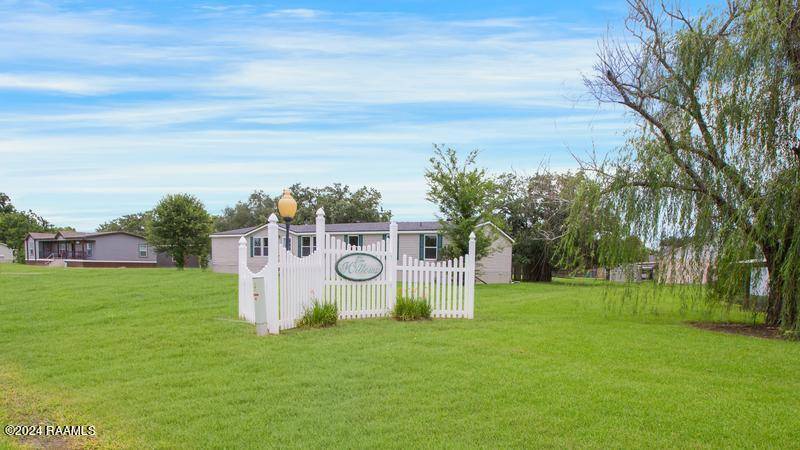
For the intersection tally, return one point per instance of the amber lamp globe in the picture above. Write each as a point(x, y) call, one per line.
point(287, 208)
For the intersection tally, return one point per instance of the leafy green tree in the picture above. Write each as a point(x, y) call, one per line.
point(132, 223)
point(250, 213)
point(15, 225)
point(466, 197)
point(714, 156)
point(180, 227)
point(5, 204)
point(340, 203)
point(535, 209)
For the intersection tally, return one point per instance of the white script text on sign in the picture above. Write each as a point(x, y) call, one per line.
point(359, 267)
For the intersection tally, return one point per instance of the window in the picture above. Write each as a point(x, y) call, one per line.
point(431, 246)
point(353, 239)
point(258, 246)
point(308, 244)
point(90, 249)
point(142, 250)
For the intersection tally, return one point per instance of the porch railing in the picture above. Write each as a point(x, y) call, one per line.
point(69, 254)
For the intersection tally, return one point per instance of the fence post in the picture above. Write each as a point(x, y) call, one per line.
point(470, 306)
point(319, 283)
point(271, 284)
point(391, 267)
point(320, 229)
point(244, 279)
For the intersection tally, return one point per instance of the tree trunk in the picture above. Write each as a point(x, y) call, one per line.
point(775, 296)
point(775, 299)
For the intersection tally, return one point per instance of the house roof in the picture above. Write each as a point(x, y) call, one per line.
point(236, 232)
point(66, 234)
point(362, 227)
point(503, 233)
point(42, 235)
point(71, 234)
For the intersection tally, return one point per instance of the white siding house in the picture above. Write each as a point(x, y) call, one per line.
point(418, 239)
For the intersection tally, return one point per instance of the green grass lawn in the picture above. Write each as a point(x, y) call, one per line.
point(154, 358)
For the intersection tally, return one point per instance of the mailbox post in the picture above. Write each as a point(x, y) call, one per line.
point(260, 303)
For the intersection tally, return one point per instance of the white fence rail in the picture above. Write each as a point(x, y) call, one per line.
point(448, 286)
point(372, 298)
point(275, 297)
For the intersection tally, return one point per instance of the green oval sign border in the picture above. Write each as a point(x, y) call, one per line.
point(336, 266)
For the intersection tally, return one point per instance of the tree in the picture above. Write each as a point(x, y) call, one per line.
point(340, 203)
point(132, 223)
point(715, 154)
point(250, 213)
point(180, 227)
point(535, 210)
point(5, 204)
point(15, 225)
point(466, 197)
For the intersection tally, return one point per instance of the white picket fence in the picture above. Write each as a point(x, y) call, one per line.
point(448, 286)
point(275, 297)
point(373, 298)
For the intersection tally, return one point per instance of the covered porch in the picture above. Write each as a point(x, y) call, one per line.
point(65, 249)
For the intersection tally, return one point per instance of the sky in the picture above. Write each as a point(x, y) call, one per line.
point(105, 107)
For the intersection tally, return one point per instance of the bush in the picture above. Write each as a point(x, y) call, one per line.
point(411, 309)
point(319, 315)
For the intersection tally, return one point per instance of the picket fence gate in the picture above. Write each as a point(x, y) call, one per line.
point(275, 297)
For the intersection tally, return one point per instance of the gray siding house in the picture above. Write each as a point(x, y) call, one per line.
point(76, 249)
point(6, 254)
point(421, 240)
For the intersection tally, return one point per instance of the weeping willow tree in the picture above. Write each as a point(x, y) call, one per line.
point(714, 156)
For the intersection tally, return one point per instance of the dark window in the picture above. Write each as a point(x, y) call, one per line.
point(352, 240)
point(308, 244)
point(256, 246)
point(431, 246)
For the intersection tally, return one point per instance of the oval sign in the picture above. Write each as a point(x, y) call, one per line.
point(359, 267)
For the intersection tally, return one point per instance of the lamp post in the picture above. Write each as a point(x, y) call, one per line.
point(287, 208)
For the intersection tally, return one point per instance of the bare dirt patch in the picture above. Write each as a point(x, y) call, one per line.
point(759, 331)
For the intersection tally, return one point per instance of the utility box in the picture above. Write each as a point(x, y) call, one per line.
point(260, 303)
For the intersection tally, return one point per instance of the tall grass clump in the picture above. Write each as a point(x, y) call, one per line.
point(408, 308)
point(319, 315)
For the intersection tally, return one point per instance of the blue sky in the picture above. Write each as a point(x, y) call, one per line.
point(108, 106)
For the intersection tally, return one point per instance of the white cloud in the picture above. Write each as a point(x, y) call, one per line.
point(295, 13)
point(70, 84)
point(238, 98)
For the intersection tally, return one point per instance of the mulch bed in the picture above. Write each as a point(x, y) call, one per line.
point(760, 331)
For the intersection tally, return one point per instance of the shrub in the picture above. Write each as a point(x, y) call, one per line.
point(319, 315)
point(411, 309)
